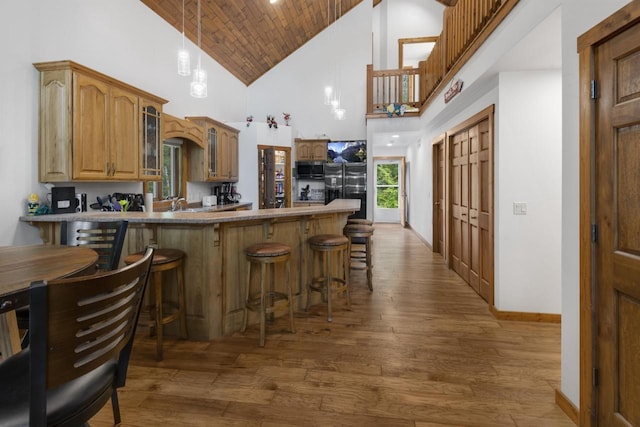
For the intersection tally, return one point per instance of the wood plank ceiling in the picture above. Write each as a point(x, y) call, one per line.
point(249, 37)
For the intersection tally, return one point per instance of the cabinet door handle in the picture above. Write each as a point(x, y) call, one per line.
point(474, 217)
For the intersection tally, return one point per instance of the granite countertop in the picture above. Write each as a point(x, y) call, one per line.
point(319, 202)
point(197, 216)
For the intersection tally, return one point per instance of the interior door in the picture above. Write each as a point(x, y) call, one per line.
point(266, 177)
point(460, 204)
point(403, 192)
point(438, 197)
point(617, 218)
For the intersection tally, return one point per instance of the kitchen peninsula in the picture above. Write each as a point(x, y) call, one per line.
point(215, 265)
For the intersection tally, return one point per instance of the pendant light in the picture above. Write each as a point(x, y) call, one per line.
point(184, 59)
point(199, 83)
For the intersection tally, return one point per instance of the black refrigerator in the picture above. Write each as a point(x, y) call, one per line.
point(346, 181)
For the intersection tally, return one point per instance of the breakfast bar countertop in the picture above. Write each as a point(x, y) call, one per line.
point(214, 243)
point(200, 216)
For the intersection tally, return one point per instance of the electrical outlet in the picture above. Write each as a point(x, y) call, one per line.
point(519, 208)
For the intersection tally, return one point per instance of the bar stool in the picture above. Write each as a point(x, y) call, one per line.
point(359, 221)
point(329, 246)
point(267, 301)
point(165, 260)
point(360, 258)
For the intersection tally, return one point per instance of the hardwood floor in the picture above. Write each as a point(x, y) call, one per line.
point(421, 350)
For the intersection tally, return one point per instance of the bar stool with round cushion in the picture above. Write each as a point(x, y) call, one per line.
point(267, 301)
point(360, 247)
point(329, 246)
point(164, 312)
point(359, 221)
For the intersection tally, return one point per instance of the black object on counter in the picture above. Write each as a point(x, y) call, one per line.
point(63, 200)
point(111, 202)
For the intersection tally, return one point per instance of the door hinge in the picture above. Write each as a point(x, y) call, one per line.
point(594, 233)
point(596, 379)
point(594, 89)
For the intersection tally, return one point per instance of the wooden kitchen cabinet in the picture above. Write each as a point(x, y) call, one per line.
point(218, 162)
point(91, 126)
point(311, 149)
point(228, 144)
point(151, 140)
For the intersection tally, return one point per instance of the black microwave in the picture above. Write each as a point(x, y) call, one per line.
point(310, 170)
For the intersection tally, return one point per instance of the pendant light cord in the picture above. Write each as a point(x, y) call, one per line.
point(199, 46)
point(182, 24)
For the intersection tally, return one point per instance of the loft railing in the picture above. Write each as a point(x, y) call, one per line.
point(466, 26)
point(394, 86)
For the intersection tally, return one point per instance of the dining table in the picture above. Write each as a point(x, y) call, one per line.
point(22, 265)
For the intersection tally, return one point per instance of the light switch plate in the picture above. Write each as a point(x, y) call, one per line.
point(519, 208)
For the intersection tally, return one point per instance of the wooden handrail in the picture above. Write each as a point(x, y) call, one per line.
point(466, 26)
point(393, 86)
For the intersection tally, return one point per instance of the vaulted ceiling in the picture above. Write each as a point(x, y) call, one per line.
point(249, 37)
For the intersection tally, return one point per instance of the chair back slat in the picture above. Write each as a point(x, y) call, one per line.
point(106, 238)
point(89, 319)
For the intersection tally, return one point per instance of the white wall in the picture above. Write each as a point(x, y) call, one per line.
point(296, 85)
point(529, 164)
point(18, 108)
point(409, 18)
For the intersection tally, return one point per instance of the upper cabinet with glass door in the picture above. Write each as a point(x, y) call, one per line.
point(218, 162)
point(91, 127)
point(151, 138)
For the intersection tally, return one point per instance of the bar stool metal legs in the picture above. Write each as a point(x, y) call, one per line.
point(267, 301)
point(329, 246)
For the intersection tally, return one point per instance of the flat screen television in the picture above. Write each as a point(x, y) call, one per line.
point(347, 151)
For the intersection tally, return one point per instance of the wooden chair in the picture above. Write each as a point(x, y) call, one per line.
point(106, 238)
point(82, 331)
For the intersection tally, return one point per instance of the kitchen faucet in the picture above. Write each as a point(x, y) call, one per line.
point(178, 203)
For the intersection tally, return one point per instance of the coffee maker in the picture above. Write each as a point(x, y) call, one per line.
point(226, 193)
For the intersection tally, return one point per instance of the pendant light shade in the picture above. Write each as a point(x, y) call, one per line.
point(184, 62)
point(328, 92)
point(199, 83)
point(184, 59)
